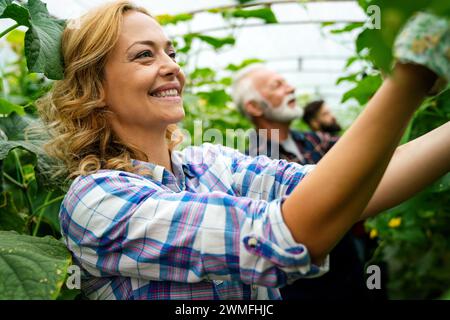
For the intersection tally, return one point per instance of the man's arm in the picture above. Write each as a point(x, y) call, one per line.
point(331, 199)
point(414, 166)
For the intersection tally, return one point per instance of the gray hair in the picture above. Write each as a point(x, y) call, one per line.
point(243, 89)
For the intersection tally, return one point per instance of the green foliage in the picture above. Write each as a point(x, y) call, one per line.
point(43, 41)
point(7, 107)
point(364, 89)
point(265, 14)
point(166, 19)
point(215, 42)
point(413, 237)
point(31, 267)
point(379, 42)
point(43, 38)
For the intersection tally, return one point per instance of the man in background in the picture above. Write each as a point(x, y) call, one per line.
point(269, 102)
point(319, 117)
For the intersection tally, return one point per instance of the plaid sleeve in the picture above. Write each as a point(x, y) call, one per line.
point(121, 224)
point(264, 178)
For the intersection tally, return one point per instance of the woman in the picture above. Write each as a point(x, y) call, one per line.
point(146, 222)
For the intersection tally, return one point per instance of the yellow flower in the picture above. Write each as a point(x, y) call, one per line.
point(395, 222)
point(202, 102)
point(373, 233)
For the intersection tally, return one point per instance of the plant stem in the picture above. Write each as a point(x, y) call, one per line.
point(19, 170)
point(46, 204)
point(4, 33)
point(41, 211)
point(25, 186)
point(14, 181)
point(248, 5)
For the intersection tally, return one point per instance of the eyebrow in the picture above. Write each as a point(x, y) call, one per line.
point(149, 43)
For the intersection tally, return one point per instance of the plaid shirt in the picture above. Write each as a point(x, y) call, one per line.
point(211, 230)
point(312, 146)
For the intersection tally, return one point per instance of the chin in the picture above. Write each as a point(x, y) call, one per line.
point(175, 117)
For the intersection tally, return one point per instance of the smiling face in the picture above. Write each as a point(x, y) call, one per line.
point(142, 82)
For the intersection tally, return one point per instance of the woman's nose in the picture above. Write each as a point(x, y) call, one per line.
point(169, 67)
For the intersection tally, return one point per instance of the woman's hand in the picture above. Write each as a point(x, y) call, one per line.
point(425, 40)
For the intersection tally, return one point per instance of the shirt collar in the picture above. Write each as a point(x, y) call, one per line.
point(161, 175)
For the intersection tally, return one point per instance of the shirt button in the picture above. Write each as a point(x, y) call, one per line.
point(252, 242)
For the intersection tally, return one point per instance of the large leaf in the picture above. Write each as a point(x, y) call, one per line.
point(27, 133)
point(43, 41)
point(43, 38)
point(31, 267)
point(13, 127)
point(15, 12)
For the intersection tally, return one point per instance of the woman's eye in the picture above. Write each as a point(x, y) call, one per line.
point(145, 54)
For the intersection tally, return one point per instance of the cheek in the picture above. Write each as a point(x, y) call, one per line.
point(276, 100)
point(181, 78)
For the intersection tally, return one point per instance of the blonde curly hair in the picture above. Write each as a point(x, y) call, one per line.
point(74, 112)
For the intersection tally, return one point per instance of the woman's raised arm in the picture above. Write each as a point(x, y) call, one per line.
point(331, 198)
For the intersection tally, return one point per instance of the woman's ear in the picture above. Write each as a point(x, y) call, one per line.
point(253, 109)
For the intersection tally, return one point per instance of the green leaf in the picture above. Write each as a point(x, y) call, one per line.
point(243, 64)
point(216, 42)
point(380, 51)
point(244, 1)
point(17, 13)
point(350, 78)
point(347, 28)
point(442, 185)
point(203, 74)
point(31, 267)
point(16, 37)
point(14, 128)
point(364, 90)
point(10, 218)
point(394, 15)
point(265, 14)
point(166, 19)
point(7, 108)
point(26, 133)
point(3, 5)
point(215, 97)
point(43, 42)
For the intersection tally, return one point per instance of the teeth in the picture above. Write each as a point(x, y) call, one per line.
point(166, 93)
